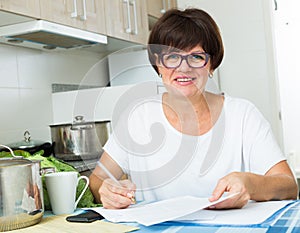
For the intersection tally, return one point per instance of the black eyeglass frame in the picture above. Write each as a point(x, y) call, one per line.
point(185, 57)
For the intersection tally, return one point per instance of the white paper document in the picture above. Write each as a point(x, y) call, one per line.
point(189, 208)
point(251, 214)
point(160, 211)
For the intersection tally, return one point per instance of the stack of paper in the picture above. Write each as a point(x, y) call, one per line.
point(188, 208)
point(254, 213)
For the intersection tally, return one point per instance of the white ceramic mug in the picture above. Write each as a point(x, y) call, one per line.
point(61, 187)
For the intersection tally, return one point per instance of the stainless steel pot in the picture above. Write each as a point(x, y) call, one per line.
point(26, 143)
point(21, 192)
point(32, 146)
point(80, 139)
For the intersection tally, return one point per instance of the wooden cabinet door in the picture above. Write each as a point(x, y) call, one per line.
point(139, 21)
point(127, 19)
point(156, 8)
point(95, 17)
point(84, 14)
point(25, 7)
point(117, 18)
point(60, 11)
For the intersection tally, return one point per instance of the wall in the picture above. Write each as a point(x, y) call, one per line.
point(248, 69)
point(26, 78)
point(288, 37)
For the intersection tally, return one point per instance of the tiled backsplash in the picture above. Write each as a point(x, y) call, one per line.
point(26, 78)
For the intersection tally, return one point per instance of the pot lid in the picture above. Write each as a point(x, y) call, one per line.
point(79, 120)
point(26, 143)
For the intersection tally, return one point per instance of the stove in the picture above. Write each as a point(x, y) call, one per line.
point(84, 164)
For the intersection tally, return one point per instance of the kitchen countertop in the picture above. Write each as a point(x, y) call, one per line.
point(58, 224)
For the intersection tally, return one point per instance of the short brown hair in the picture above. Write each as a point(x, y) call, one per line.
point(185, 30)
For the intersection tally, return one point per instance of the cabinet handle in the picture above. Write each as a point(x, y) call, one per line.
point(74, 13)
point(163, 10)
point(83, 17)
point(275, 5)
point(169, 5)
point(135, 31)
point(128, 29)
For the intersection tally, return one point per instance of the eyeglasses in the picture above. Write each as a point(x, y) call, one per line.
point(194, 60)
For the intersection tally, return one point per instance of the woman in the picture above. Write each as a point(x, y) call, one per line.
point(189, 141)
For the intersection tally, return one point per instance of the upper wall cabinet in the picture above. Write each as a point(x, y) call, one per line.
point(157, 8)
point(122, 19)
point(84, 14)
point(127, 20)
point(25, 7)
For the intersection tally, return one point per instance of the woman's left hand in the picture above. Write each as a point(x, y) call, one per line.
point(235, 182)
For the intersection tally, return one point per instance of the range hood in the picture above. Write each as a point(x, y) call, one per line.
point(41, 34)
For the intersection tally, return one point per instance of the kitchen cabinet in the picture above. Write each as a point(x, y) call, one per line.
point(157, 8)
point(127, 20)
point(83, 14)
point(122, 19)
point(25, 7)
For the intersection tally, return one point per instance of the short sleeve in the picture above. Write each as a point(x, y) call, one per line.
point(117, 153)
point(260, 147)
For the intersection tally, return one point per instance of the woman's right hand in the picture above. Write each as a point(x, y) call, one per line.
point(114, 196)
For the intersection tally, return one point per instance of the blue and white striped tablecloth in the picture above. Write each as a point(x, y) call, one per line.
point(289, 222)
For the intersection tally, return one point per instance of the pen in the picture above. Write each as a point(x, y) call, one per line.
point(107, 172)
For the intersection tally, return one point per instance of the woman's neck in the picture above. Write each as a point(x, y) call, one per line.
point(187, 106)
point(188, 115)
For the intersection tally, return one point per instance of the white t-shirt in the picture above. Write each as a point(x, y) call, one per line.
point(165, 163)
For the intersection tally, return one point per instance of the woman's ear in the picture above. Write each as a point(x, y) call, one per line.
point(157, 60)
